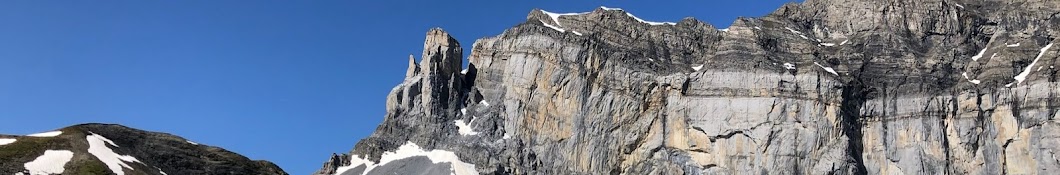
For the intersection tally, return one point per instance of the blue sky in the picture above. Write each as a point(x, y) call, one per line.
point(286, 81)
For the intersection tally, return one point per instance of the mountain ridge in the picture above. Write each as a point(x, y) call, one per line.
point(96, 148)
point(819, 87)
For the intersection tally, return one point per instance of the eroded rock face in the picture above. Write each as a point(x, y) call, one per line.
point(826, 86)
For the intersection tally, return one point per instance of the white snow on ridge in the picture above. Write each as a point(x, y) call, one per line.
point(51, 162)
point(1026, 71)
point(356, 160)
point(796, 32)
point(411, 150)
point(5, 141)
point(97, 146)
point(46, 134)
point(828, 44)
point(553, 27)
point(697, 68)
point(555, 18)
point(642, 20)
point(193, 143)
point(829, 69)
point(724, 30)
point(649, 22)
point(464, 128)
point(965, 74)
point(980, 55)
point(844, 42)
point(789, 66)
point(1013, 45)
point(484, 103)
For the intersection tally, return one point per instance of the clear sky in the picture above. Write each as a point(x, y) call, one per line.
point(286, 81)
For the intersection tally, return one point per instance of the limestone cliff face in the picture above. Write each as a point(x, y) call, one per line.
point(821, 87)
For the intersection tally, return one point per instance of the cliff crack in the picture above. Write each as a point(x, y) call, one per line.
point(853, 98)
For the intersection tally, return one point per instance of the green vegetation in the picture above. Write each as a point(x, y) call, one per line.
point(88, 168)
point(28, 148)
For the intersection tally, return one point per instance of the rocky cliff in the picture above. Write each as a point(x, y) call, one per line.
point(96, 149)
point(820, 87)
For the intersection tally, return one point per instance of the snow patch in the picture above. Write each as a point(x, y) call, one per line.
point(697, 68)
point(51, 162)
point(789, 66)
point(965, 74)
point(724, 30)
point(959, 5)
point(828, 44)
point(576, 33)
point(189, 141)
point(5, 141)
point(609, 8)
point(1026, 71)
point(46, 134)
point(844, 42)
point(1012, 45)
point(635, 17)
point(97, 146)
point(553, 27)
point(506, 136)
point(463, 71)
point(411, 150)
point(649, 22)
point(484, 103)
point(555, 18)
point(829, 69)
point(464, 128)
point(463, 111)
point(796, 32)
point(980, 55)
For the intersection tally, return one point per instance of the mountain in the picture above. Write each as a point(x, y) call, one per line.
point(115, 149)
point(819, 87)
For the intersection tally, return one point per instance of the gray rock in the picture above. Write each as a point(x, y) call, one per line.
point(155, 152)
point(821, 87)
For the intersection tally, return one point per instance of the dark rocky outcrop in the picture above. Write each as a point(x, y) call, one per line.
point(145, 153)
